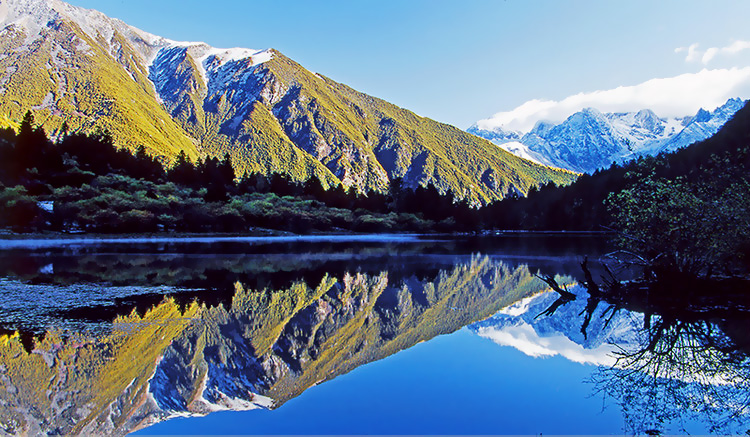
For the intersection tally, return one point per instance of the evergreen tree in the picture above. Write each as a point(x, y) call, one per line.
point(183, 172)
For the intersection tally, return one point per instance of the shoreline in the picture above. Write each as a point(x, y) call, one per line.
point(50, 240)
point(272, 233)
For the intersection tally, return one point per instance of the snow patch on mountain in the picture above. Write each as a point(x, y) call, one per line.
point(522, 150)
point(212, 58)
point(30, 15)
point(524, 338)
point(214, 394)
point(704, 125)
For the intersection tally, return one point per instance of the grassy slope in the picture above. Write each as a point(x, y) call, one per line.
point(299, 120)
point(88, 89)
point(399, 142)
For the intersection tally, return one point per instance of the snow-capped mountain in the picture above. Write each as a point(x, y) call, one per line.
point(77, 66)
point(703, 125)
point(589, 140)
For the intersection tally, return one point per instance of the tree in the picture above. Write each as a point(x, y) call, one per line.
point(183, 172)
point(694, 228)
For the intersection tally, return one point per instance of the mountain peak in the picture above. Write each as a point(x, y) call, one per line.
point(35, 15)
point(646, 114)
point(39, 13)
point(542, 128)
point(591, 111)
point(702, 116)
point(173, 96)
point(27, 13)
point(647, 119)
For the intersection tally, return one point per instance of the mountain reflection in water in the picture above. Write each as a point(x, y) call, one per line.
point(122, 336)
point(674, 370)
point(122, 339)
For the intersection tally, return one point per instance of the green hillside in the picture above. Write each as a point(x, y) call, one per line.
point(66, 77)
point(365, 141)
point(270, 114)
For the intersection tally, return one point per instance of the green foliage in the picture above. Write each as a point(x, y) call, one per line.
point(690, 226)
point(394, 142)
point(298, 123)
point(19, 211)
point(687, 211)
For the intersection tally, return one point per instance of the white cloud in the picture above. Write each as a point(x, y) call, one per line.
point(710, 53)
point(667, 97)
point(736, 47)
point(693, 53)
point(706, 56)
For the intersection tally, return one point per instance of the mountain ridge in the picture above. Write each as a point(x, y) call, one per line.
point(268, 112)
point(589, 140)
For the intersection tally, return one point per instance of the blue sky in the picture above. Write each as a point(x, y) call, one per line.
point(462, 61)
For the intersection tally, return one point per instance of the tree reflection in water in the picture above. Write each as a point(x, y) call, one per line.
point(690, 363)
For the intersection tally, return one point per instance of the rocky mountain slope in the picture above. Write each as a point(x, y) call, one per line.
point(589, 140)
point(80, 67)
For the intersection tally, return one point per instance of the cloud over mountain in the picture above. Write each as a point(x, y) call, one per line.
point(669, 97)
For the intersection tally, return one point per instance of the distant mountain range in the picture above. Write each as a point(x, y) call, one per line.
point(78, 66)
point(589, 140)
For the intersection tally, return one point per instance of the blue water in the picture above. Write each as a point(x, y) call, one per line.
point(453, 384)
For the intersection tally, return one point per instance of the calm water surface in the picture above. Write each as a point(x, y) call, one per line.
point(372, 335)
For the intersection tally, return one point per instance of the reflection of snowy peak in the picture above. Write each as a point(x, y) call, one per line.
point(560, 333)
point(589, 140)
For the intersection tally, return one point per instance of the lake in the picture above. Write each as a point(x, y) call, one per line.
point(386, 334)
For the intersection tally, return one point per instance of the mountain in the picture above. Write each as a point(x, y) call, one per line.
point(704, 125)
point(78, 66)
point(589, 140)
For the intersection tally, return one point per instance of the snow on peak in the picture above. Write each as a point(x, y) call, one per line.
point(520, 327)
point(590, 139)
point(210, 58)
point(591, 110)
point(34, 15)
point(542, 128)
point(522, 150)
point(237, 53)
point(207, 59)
